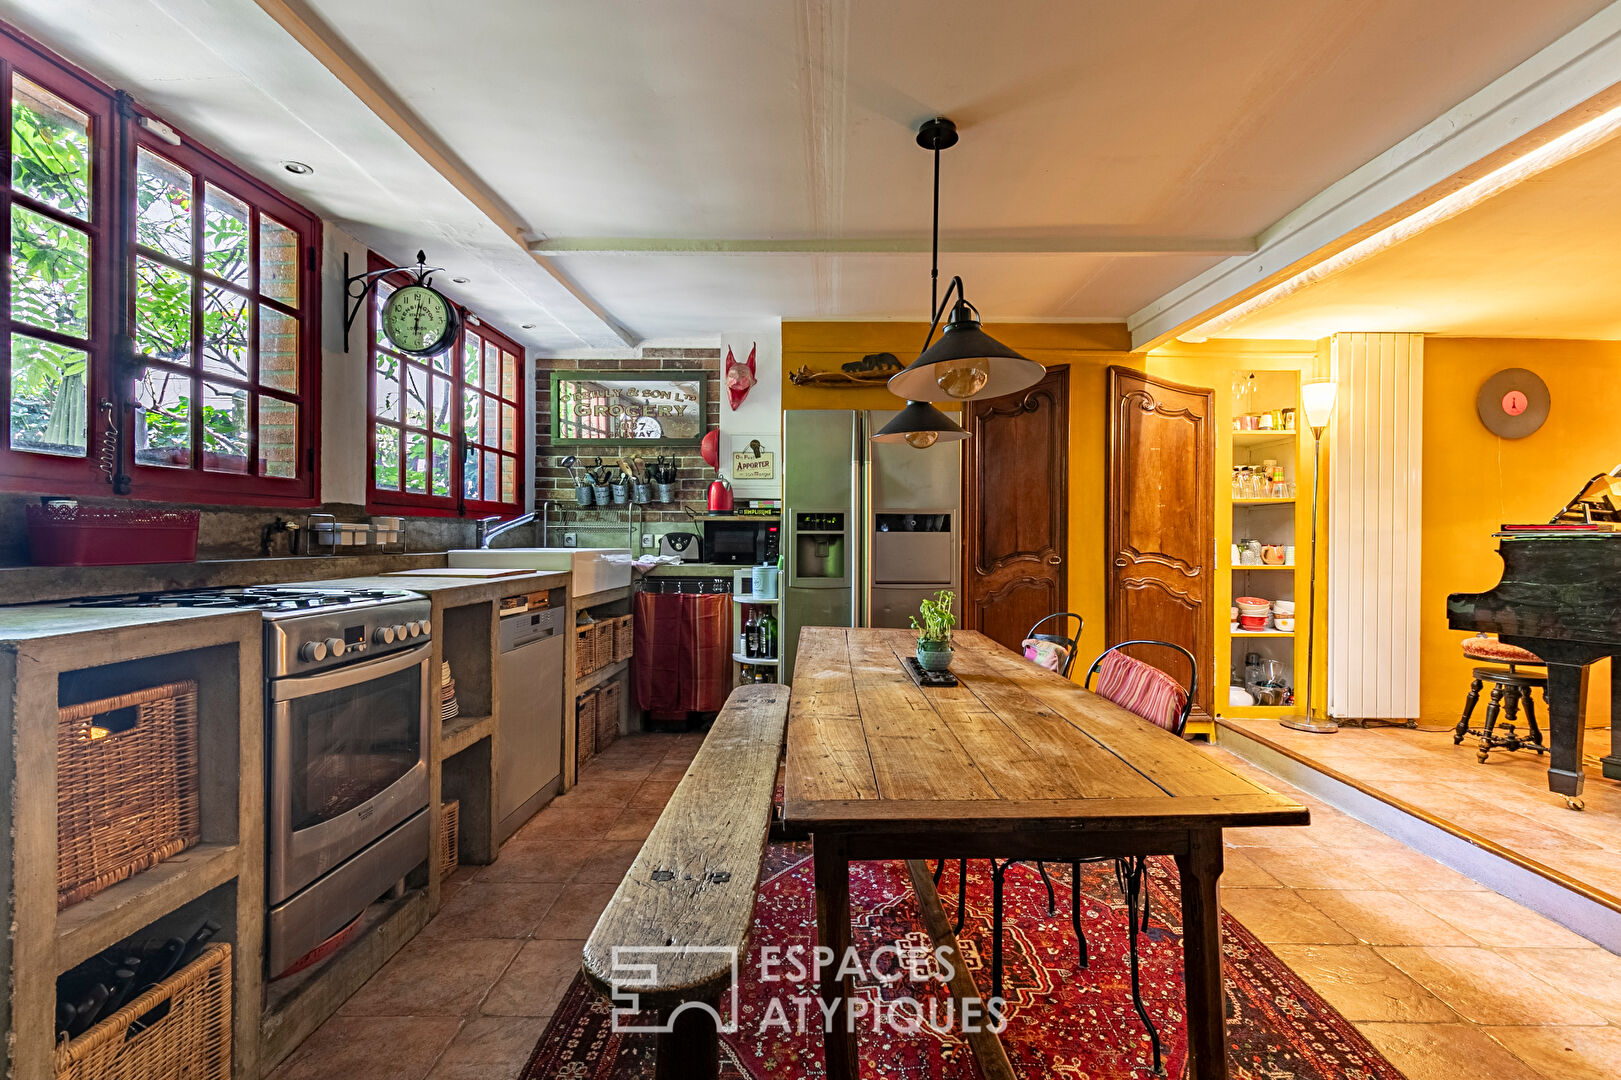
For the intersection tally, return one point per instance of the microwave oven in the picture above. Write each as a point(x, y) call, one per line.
point(740, 543)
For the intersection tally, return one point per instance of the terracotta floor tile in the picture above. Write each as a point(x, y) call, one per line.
point(668, 771)
point(633, 823)
point(1496, 920)
point(608, 862)
point(653, 794)
point(537, 860)
point(494, 910)
point(1445, 1052)
point(575, 912)
point(617, 772)
point(1406, 870)
point(1239, 871)
point(597, 792)
point(1591, 975)
point(1362, 986)
point(432, 977)
point(1278, 916)
point(534, 984)
point(1385, 918)
point(567, 823)
point(1486, 988)
point(1346, 833)
point(1270, 837)
point(490, 1048)
point(374, 1047)
point(1565, 1053)
point(1317, 868)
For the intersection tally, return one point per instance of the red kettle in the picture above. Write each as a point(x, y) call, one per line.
point(720, 496)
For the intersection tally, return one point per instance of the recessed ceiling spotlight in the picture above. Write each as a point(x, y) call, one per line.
point(459, 280)
point(528, 326)
point(297, 168)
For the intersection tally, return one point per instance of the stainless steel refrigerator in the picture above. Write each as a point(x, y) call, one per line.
point(870, 529)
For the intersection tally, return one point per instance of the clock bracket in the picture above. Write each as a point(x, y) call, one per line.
point(358, 287)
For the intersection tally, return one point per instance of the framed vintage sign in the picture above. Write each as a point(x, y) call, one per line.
point(653, 408)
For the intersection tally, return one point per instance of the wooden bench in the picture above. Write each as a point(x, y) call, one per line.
point(687, 902)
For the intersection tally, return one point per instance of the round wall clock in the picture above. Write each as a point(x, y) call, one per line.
point(419, 321)
point(1513, 403)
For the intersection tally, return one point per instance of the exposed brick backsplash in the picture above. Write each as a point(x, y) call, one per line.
point(693, 476)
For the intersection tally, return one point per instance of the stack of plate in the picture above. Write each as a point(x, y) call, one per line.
point(448, 705)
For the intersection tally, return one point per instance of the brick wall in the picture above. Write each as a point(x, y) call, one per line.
point(693, 477)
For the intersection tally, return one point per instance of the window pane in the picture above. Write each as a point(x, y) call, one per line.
point(470, 360)
point(509, 480)
point(163, 418)
point(386, 386)
point(278, 438)
point(445, 361)
point(163, 206)
point(444, 404)
point(278, 350)
point(492, 423)
point(386, 464)
point(470, 400)
point(278, 260)
point(225, 429)
point(509, 376)
point(162, 312)
point(225, 333)
point(50, 274)
point(50, 149)
point(509, 428)
point(416, 396)
point(470, 473)
point(492, 474)
point(49, 407)
point(441, 467)
point(416, 462)
point(379, 299)
point(225, 235)
point(492, 368)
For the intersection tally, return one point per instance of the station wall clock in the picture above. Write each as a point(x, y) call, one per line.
point(1513, 403)
point(420, 321)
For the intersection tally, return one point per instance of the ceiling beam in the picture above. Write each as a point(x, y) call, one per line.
point(987, 245)
point(327, 46)
point(1566, 84)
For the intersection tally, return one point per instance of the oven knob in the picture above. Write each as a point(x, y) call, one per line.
point(400, 632)
point(312, 651)
point(415, 629)
point(334, 646)
point(383, 635)
point(427, 627)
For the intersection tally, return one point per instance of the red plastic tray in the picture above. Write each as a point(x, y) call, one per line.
point(110, 536)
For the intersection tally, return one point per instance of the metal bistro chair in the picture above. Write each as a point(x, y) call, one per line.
point(1128, 685)
point(1069, 643)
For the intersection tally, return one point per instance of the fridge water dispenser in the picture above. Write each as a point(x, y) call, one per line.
point(819, 551)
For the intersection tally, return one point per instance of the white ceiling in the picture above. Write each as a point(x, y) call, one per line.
point(1179, 120)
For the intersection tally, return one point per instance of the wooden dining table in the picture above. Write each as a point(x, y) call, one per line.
point(1016, 762)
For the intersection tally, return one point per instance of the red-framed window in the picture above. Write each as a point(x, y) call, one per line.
point(446, 431)
point(217, 400)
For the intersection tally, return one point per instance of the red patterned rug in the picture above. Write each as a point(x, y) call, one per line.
point(1063, 1021)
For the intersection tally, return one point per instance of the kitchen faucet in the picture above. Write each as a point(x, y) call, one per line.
point(484, 532)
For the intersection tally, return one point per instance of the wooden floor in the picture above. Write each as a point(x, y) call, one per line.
point(1505, 801)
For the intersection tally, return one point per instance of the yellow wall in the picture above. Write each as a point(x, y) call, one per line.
point(1474, 482)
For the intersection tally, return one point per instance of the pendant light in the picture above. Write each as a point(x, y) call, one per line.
point(966, 362)
point(921, 425)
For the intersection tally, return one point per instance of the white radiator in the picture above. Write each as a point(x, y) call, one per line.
point(1375, 448)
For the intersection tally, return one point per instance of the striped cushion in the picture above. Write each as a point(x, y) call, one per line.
point(1141, 688)
point(1049, 654)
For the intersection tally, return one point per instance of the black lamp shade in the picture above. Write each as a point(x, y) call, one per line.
point(965, 363)
point(916, 424)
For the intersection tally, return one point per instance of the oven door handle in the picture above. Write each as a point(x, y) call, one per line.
point(298, 686)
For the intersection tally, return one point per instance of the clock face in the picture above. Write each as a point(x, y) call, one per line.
point(419, 321)
point(1514, 403)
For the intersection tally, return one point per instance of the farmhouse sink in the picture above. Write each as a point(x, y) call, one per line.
point(595, 569)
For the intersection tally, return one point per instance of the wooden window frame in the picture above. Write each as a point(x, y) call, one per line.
point(456, 504)
point(114, 139)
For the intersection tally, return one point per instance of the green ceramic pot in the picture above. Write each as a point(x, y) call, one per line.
point(932, 656)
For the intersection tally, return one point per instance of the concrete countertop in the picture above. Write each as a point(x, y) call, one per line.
point(36, 622)
point(510, 585)
point(693, 570)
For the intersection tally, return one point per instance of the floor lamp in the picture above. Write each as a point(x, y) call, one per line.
point(1317, 397)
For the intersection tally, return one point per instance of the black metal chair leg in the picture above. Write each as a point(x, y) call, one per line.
point(1468, 710)
point(1052, 904)
point(1075, 911)
point(1134, 886)
point(962, 894)
point(939, 871)
point(1145, 900)
point(997, 870)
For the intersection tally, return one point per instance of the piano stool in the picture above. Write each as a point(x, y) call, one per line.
point(1509, 688)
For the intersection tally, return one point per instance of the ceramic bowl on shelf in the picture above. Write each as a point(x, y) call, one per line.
point(1283, 607)
point(1252, 622)
point(1286, 623)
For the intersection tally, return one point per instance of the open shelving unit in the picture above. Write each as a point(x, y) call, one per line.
point(743, 600)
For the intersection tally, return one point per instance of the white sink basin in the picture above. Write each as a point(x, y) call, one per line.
point(595, 569)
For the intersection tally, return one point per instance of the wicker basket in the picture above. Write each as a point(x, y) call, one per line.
point(608, 715)
point(192, 1039)
point(624, 637)
point(585, 650)
point(585, 738)
point(126, 787)
point(450, 815)
point(605, 641)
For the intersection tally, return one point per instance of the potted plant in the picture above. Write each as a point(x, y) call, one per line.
point(934, 632)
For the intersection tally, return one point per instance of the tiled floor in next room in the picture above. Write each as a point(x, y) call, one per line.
point(1444, 977)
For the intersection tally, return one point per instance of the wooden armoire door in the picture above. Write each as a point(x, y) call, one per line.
point(1015, 491)
point(1161, 534)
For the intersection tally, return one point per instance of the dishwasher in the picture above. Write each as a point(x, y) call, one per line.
point(530, 769)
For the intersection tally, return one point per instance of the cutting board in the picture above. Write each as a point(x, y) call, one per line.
point(465, 571)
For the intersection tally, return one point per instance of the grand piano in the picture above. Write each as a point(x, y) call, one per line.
point(1560, 597)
